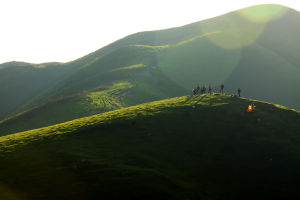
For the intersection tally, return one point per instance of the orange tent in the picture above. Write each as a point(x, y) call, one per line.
point(251, 108)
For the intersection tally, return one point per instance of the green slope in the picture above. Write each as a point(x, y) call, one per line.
point(274, 82)
point(21, 82)
point(59, 110)
point(135, 66)
point(247, 48)
point(190, 147)
point(208, 50)
point(213, 49)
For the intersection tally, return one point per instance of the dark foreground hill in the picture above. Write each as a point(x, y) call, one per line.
point(190, 147)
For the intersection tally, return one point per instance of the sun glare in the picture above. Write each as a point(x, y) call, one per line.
point(262, 14)
point(254, 19)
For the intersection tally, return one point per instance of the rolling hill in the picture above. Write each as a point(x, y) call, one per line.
point(189, 147)
point(254, 48)
point(20, 82)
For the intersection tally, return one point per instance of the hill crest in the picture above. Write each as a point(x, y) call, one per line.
point(195, 147)
point(237, 106)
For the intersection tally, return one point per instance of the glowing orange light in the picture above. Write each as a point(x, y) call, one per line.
point(251, 108)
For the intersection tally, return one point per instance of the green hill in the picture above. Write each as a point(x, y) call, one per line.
point(20, 82)
point(254, 48)
point(190, 147)
point(210, 51)
point(68, 108)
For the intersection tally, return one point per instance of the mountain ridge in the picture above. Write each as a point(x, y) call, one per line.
point(200, 58)
point(196, 146)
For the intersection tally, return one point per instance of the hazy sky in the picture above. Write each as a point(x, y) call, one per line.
point(63, 30)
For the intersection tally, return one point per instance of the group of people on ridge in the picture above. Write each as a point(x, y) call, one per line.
point(202, 90)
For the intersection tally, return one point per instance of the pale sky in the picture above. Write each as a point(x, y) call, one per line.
point(39, 31)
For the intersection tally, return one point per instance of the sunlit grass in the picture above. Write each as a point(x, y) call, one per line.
point(179, 43)
point(197, 37)
point(133, 112)
point(147, 109)
point(97, 100)
point(162, 143)
point(152, 47)
point(110, 98)
point(129, 67)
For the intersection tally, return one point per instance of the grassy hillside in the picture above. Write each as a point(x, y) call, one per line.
point(71, 100)
point(247, 48)
point(21, 82)
point(274, 82)
point(207, 51)
point(70, 107)
point(190, 147)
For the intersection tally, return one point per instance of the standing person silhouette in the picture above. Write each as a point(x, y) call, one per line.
point(210, 88)
point(194, 91)
point(198, 89)
point(222, 88)
point(239, 91)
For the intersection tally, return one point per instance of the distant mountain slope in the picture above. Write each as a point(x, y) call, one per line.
point(190, 147)
point(277, 81)
point(254, 48)
point(134, 66)
point(79, 105)
point(21, 82)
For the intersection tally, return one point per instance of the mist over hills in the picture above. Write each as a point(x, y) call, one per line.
point(258, 54)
